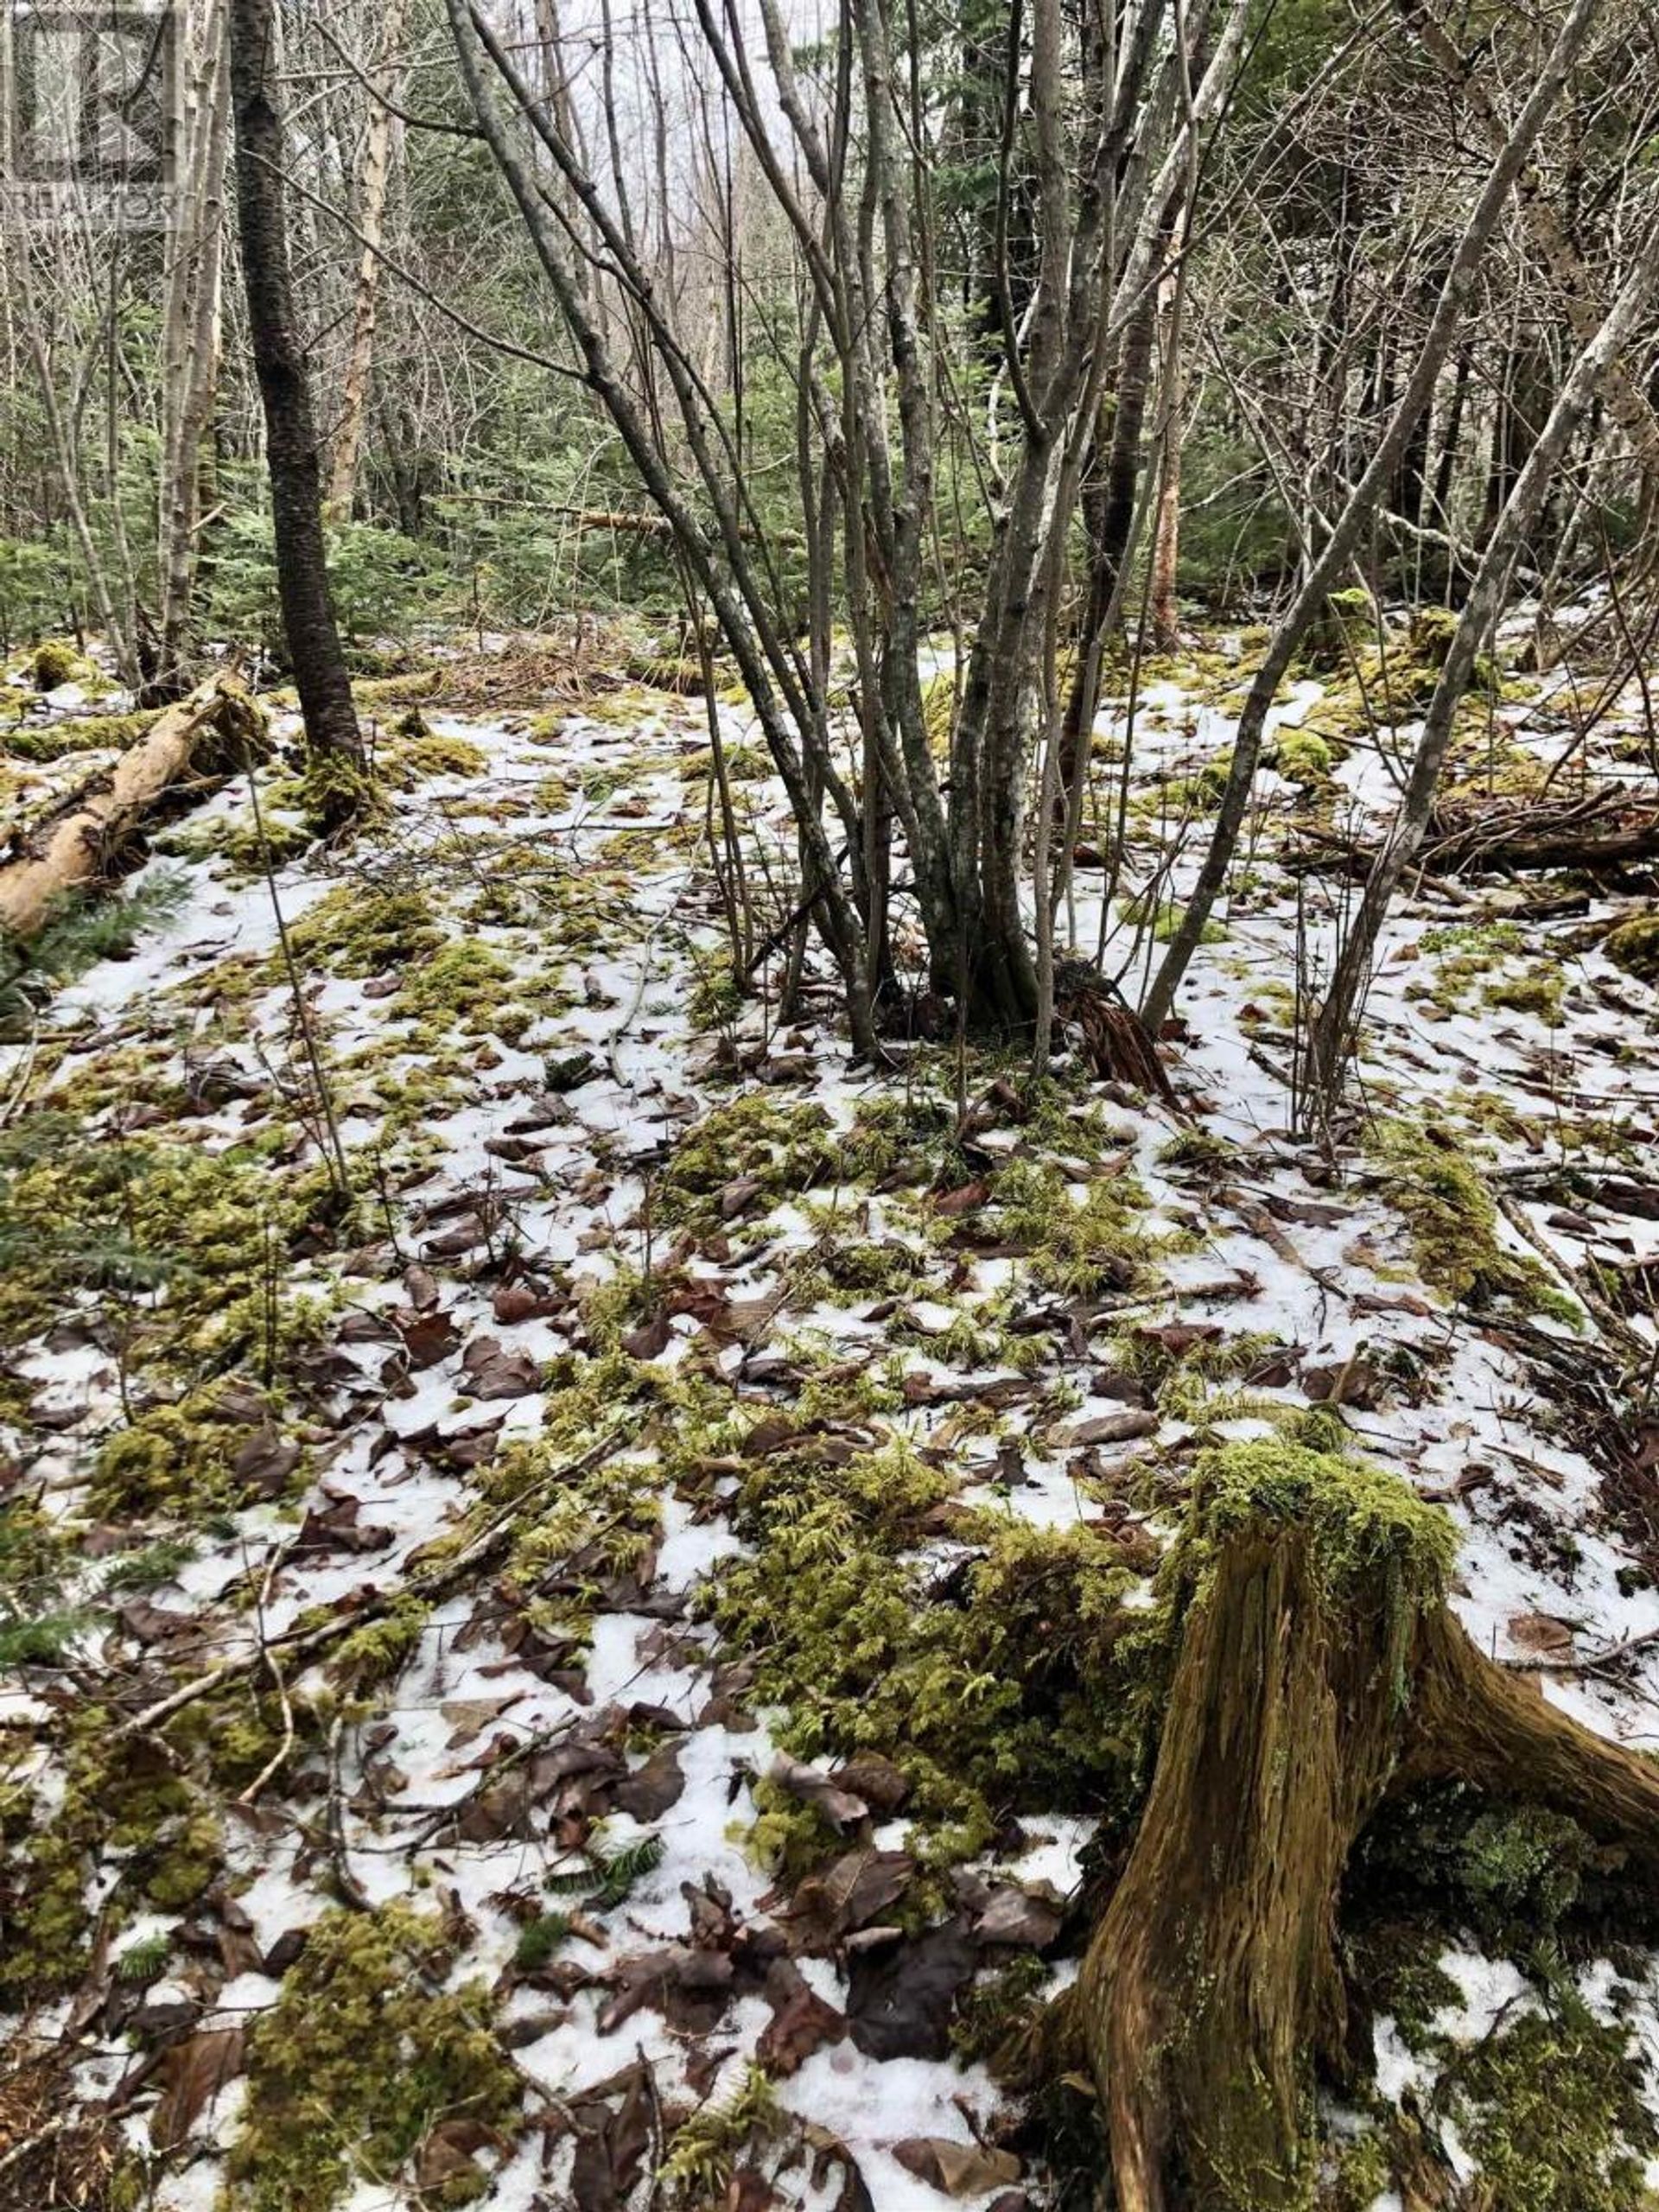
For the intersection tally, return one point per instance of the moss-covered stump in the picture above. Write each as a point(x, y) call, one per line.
point(1318, 1670)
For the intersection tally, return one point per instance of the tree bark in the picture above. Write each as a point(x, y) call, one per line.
point(1327, 571)
point(333, 741)
point(1318, 1671)
point(190, 354)
point(372, 185)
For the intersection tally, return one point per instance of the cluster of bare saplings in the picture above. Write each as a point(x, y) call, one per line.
point(1002, 323)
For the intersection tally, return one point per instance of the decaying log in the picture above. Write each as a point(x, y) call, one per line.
point(1600, 833)
point(1318, 1671)
point(206, 736)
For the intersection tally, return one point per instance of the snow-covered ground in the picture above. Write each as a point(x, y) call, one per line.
point(490, 1214)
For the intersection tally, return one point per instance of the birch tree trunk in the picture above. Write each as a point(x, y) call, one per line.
point(373, 182)
point(190, 346)
point(1163, 609)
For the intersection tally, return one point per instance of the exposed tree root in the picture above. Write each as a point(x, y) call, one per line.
point(1319, 1670)
point(1112, 1035)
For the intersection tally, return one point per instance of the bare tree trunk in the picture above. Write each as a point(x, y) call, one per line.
point(1333, 1032)
point(1164, 610)
point(373, 185)
point(190, 352)
point(1327, 570)
point(332, 738)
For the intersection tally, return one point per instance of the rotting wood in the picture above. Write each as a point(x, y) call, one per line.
point(206, 736)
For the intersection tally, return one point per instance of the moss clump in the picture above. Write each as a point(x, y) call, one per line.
point(1015, 1681)
point(186, 1246)
point(464, 985)
point(902, 1138)
point(786, 1149)
point(1304, 757)
point(996, 2018)
point(1079, 1245)
point(121, 1801)
point(1451, 1216)
point(1551, 2107)
point(421, 754)
point(55, 661)
point(1361, 1522)
point(1539, 994)
point(1348, 619)
point(357, 931)
point(379, 1650)
point(703, 2153)
point(173, 1458)
point(1430, 632)
point(358, 2060)
point(1164, 917)
point(78, 733)
point(1634, 946)
point(339, 790)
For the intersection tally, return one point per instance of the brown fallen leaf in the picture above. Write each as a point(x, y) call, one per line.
point(649, 1339)
point(193, 2073)
point(1115, 1428)
point(492, 1372)
point(958, 2169)
point(839, 1806)
point(801, 2024)
point(429, 1336)
point(1541, 1634)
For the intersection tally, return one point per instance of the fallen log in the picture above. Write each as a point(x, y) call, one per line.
point(203, 739)
point(1587, 836)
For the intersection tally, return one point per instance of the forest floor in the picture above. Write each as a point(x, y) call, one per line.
point(590, 1667)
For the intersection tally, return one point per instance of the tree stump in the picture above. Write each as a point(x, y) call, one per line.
point(1318, 1670)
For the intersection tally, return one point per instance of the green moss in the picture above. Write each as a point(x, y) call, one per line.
point(704, 2152)
point(1551, 2107)
point(1539, 994)
point(785, 1147)
point(1432, 630)
point(121, 1801)
point(171, 1458)
point(420, 754)
point(125, 1220)
point(338, 790)
point(996, 2017)
point(355, 931)
point(538, 1939)
point(1079, 1245)
point(1347, 621)
point(1362, 2172)
point(1164, 916)
point(1016, 1683)
point(1362, 1522)
point(1451, 1215)
point(56, 741)
point(1303, 757)
point(361, 2056)
point(379, 1650)
point(56, 661)
point(1634, 946)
